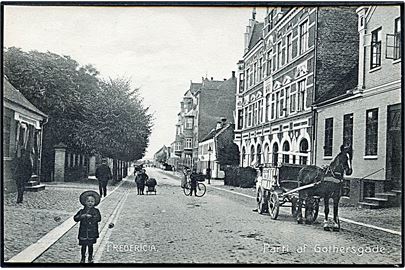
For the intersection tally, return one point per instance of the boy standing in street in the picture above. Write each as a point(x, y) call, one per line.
point(103, 174)
point(89, 217)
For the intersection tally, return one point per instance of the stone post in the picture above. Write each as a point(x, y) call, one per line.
point(59, 169)
point(92, 165)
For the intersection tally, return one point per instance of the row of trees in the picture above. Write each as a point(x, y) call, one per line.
point(87, 113)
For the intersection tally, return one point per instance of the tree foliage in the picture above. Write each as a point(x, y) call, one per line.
point(85, 112)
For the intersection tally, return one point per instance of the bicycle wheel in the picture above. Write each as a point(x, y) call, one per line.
point(201, 188)
point(187, 189)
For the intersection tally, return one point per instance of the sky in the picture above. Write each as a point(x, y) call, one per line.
point(161, 49)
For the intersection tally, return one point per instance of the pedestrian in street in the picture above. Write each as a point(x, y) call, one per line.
point(208, 173)
point(193, 182)
point(186, 173)
point(89, 217)
point(22, 173)
point(141, 181)
point(103, 174)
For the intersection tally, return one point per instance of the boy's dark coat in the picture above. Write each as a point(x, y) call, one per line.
point(88, 226)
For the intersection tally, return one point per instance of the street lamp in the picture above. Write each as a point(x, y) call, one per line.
point(209, 165)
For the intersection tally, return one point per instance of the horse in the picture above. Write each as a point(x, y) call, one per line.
point(328, 184)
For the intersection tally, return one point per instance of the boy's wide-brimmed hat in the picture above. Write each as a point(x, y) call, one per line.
point(87, 193)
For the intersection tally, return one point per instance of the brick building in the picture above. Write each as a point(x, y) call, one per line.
point(297, 56)
point(202, 106)
point(368, 116)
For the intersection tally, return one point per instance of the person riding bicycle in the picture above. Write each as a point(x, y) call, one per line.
point(193, 182)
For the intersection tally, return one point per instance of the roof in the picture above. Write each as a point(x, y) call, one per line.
point(12, 94)
point(211, 84)
point(194, 87)
point(215, 132)
point(256, 35)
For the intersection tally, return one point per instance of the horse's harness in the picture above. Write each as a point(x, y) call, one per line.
point(335, 178)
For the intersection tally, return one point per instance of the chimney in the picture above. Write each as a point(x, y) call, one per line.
point(233, 74)
point(212, 78)
point(223, 120)
point(219, 125)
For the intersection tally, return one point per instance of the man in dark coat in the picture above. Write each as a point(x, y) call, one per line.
point(103, 174)
point(22, 173)
point(193, 182)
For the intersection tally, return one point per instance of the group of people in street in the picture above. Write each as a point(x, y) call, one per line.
point(141, 179)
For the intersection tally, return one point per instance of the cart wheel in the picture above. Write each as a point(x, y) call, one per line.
point(294, 207)
point(262, 205)
point(274, 205)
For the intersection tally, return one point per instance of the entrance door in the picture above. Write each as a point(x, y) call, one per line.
point(394, 148)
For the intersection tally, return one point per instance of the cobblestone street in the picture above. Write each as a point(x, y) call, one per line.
point(172, 228)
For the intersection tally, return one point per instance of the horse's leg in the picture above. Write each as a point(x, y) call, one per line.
point(309, 209)
point(299, 207)
point(336, 222)
point(326, 221)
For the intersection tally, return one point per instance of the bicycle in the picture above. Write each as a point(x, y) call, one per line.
point(200, 190)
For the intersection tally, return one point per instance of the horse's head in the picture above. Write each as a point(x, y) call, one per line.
point(343, 162)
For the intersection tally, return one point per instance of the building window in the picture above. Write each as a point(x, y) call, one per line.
point(260, 111)
point(255, 77)
point(246, 118)
point(250, 115)
point(267, 107)
point(303, 150)
point(304, 37)
point(252, 155)
point(259, 154)
point(286, 156)
point(293, 100)
point(6, 135)
point(260, 69)
point(275, 154)
point(281, 103)
point(241, 82)
point(287, 100)
point(273, 106)
point(371, 132)
point(348, 130)
point(189, 143)
point(279, 51)
point(289, 48)
point(327, 148)
point(375, 49)
point(240, 119)
point(269, 62)
point(189, 123)
point(397, 39)
point(301, 95)
point(255, 113)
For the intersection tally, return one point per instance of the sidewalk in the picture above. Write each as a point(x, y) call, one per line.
point(389, 218)
point(40, 212)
